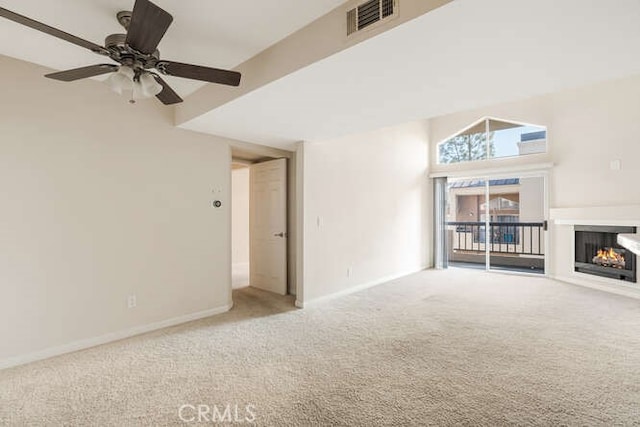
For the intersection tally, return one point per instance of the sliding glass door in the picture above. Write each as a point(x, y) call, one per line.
point(466, 225)
point(516, 224)
point(496, 223)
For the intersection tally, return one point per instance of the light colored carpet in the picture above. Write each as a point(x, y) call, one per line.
point(435, 348)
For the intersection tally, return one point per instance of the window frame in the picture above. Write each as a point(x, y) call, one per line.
point(486, 120)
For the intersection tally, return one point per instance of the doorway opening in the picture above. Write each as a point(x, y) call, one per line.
point(262, 258)
point(495, 223)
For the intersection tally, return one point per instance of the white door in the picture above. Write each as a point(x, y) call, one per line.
point(268, 226)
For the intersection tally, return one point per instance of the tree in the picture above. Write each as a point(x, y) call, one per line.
point(463, 148)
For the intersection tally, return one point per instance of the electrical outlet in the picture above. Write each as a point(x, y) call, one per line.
point(132, 301)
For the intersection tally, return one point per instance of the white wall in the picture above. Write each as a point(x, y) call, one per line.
point(588, 127)
point(100, 200)
point(370, 194)
point(593, 126)
point(240, 226)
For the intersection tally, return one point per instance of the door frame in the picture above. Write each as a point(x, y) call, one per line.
point(247, 153)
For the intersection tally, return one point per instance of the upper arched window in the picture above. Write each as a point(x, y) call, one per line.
point(493, 138)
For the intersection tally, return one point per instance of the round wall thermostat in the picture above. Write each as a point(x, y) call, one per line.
point(217, 203)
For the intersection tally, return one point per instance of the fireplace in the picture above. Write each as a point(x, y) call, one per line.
point(598, 252)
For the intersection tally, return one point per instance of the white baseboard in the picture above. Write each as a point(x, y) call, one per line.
point(104, 339)
point(358, 288)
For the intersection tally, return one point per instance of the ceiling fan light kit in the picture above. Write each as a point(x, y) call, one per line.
point(122, 80)
point(141, 85)
point(148, 85)
point(136, 52)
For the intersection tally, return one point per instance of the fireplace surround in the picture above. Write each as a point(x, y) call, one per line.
point(597, 252)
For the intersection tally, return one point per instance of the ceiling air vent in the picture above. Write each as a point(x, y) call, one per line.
point(369, 13)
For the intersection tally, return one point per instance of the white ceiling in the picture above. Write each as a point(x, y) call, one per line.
point(464, 55)
point(219, 34)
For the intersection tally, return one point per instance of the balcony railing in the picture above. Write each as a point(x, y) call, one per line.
point(515, 238)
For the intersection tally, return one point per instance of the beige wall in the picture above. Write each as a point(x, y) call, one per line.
point(593, 126)
point(240, 216)
point(367, 209)
point(587, 129)
point(100, 200)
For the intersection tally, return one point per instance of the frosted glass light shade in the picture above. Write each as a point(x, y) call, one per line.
point(122, 80)
point(137, 92)
point(150, 87)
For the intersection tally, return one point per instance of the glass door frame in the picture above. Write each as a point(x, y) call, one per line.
point(486, 177)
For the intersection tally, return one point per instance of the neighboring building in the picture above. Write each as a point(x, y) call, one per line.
point(532, 142)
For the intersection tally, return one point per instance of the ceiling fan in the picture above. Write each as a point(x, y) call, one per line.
point(136, 52)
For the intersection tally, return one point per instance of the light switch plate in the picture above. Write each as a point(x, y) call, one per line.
point(132, 301)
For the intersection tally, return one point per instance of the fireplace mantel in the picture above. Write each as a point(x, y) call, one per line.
point(562, 223)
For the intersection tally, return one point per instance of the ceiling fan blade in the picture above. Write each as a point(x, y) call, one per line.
point(148, 25)
point(167, 96)
point(83, 73)
point(197, 72)
point(12, 16)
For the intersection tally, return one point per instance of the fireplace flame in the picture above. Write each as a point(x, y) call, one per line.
point(608, 257)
